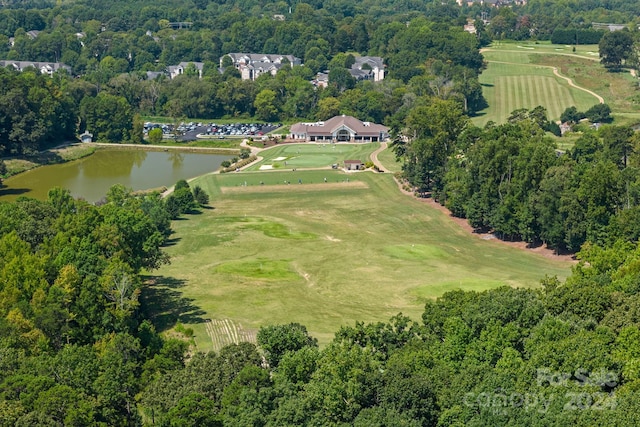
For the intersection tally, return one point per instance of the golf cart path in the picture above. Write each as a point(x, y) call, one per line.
point(374, 155)
point(557, 74)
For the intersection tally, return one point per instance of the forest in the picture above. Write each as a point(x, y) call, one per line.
point(78, 347)
point(77, 342)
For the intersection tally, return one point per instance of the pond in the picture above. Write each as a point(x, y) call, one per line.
point(91, 177)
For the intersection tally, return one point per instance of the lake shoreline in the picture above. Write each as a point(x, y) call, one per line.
point(77, 150)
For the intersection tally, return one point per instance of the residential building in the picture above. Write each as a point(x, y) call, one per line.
point(368, 68)
point(176, 70)
point(252, 65)
point(44, 67)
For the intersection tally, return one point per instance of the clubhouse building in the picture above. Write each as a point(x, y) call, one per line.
point(339, 129)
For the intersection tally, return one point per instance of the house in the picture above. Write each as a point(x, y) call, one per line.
point(565, 127)
point(470, 27)
point(152, 75)
point(179, 25)
point(321, 80)
point(364, 68)
point(252, 65)
point(33, 34)
point(339, 129)
point(605, 26)
point(44, 67)
point(353, 165)
point(176, 70)
point(370, 66)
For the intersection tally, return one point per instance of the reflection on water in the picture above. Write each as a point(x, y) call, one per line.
point(91, 177)
point(176, 159)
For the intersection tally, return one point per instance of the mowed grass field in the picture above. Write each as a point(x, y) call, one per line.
point(325, 254)
point(311, 155)
point(512, 81)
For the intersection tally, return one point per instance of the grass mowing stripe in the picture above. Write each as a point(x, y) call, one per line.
point(553, 93)
point(528, 91)
point(547, 88)
point(518, 91)
point(515, 93)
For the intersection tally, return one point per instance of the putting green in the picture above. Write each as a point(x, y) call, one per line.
point(294, 156)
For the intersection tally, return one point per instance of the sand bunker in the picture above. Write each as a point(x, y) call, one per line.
point(264, 167)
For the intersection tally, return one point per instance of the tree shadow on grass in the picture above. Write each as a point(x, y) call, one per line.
point(8, 191)
point(172, 241)
point(162, 302)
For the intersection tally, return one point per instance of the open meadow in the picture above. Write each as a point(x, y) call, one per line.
point(521, 75)
point(323, 254)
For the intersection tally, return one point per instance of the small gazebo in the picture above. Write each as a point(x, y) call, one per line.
point(86, 137)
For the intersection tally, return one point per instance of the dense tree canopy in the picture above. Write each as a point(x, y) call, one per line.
point(77, 346)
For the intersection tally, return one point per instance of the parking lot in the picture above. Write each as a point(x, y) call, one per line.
point(189, 131)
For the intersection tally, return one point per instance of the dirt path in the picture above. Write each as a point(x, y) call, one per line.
point(463, 224)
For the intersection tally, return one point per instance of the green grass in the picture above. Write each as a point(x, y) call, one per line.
point(511, 82)
point(313, 155)
point(388, 160)
point(226, 143)
point(51, 156)
point(518, 75)
point(324, 254)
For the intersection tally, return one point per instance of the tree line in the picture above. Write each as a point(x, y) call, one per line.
point(76, 341)
point(79, 348)
point(512, 179)
point(424, 58)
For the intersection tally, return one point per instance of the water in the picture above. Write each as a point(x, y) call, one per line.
point(91, 177)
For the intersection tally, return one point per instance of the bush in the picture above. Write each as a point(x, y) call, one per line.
point(368, 165)
point(200, 196)
point(571, 115)
point(181, 184)
point(239, 164)
point(155, 136)
point(184, 199)
point(225, 163)
point(598, 113)
point(245, 153)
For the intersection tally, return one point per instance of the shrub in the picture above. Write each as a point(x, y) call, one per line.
point(245, 153)
point(598, 113)
point(181, 184)
point(155, 136)
point(200, 196)
point(239, 164)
